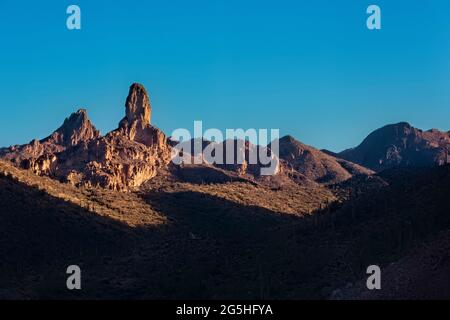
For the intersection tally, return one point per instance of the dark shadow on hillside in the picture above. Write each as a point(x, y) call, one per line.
point(41, 235)
point(217, 217)
point(223, 249)
point(212, 248)
point(196, 256)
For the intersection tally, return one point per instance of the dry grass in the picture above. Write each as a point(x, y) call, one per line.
point(227, 240)
point(291, 199)
point(124, 207)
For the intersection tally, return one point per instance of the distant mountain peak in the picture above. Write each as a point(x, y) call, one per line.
point(400, 144)
point(401, 124)
point(396, 126)
point(315, 164)
point(288, 138)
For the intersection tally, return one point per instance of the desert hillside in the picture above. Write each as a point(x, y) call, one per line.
point(218, 240)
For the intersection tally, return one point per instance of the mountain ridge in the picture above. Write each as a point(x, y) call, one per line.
point(400, 144)
point(136, 151)
point(120, 208)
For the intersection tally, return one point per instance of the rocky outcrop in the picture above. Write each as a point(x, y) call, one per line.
point(401, 145)
point(235, 155)
point(136, 123)
point(77, 153)
point(114, 162)
point(75, 129)
point(39, 155)
point(133, 153)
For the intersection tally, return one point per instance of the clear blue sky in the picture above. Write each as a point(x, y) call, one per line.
point(310, 68)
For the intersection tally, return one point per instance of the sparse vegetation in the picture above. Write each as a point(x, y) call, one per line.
point(174, 239)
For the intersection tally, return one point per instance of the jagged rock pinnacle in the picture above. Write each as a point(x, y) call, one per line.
point(76, 152)
point(136, 123)
point(75, 129)
point(137, 106)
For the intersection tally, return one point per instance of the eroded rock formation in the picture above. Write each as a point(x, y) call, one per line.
point(77, 153)
point(132, 154)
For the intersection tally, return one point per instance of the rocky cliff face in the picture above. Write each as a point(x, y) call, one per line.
point(75, 129)
point(39, 155)
point(136, 123)
point(244, 157)
point(123, 159)
point(400, 145)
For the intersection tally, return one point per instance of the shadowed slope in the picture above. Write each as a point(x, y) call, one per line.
point(317, 165)
point(216, 240)
point(400, 145)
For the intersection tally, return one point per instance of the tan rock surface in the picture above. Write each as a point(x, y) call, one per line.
point(123, 159)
